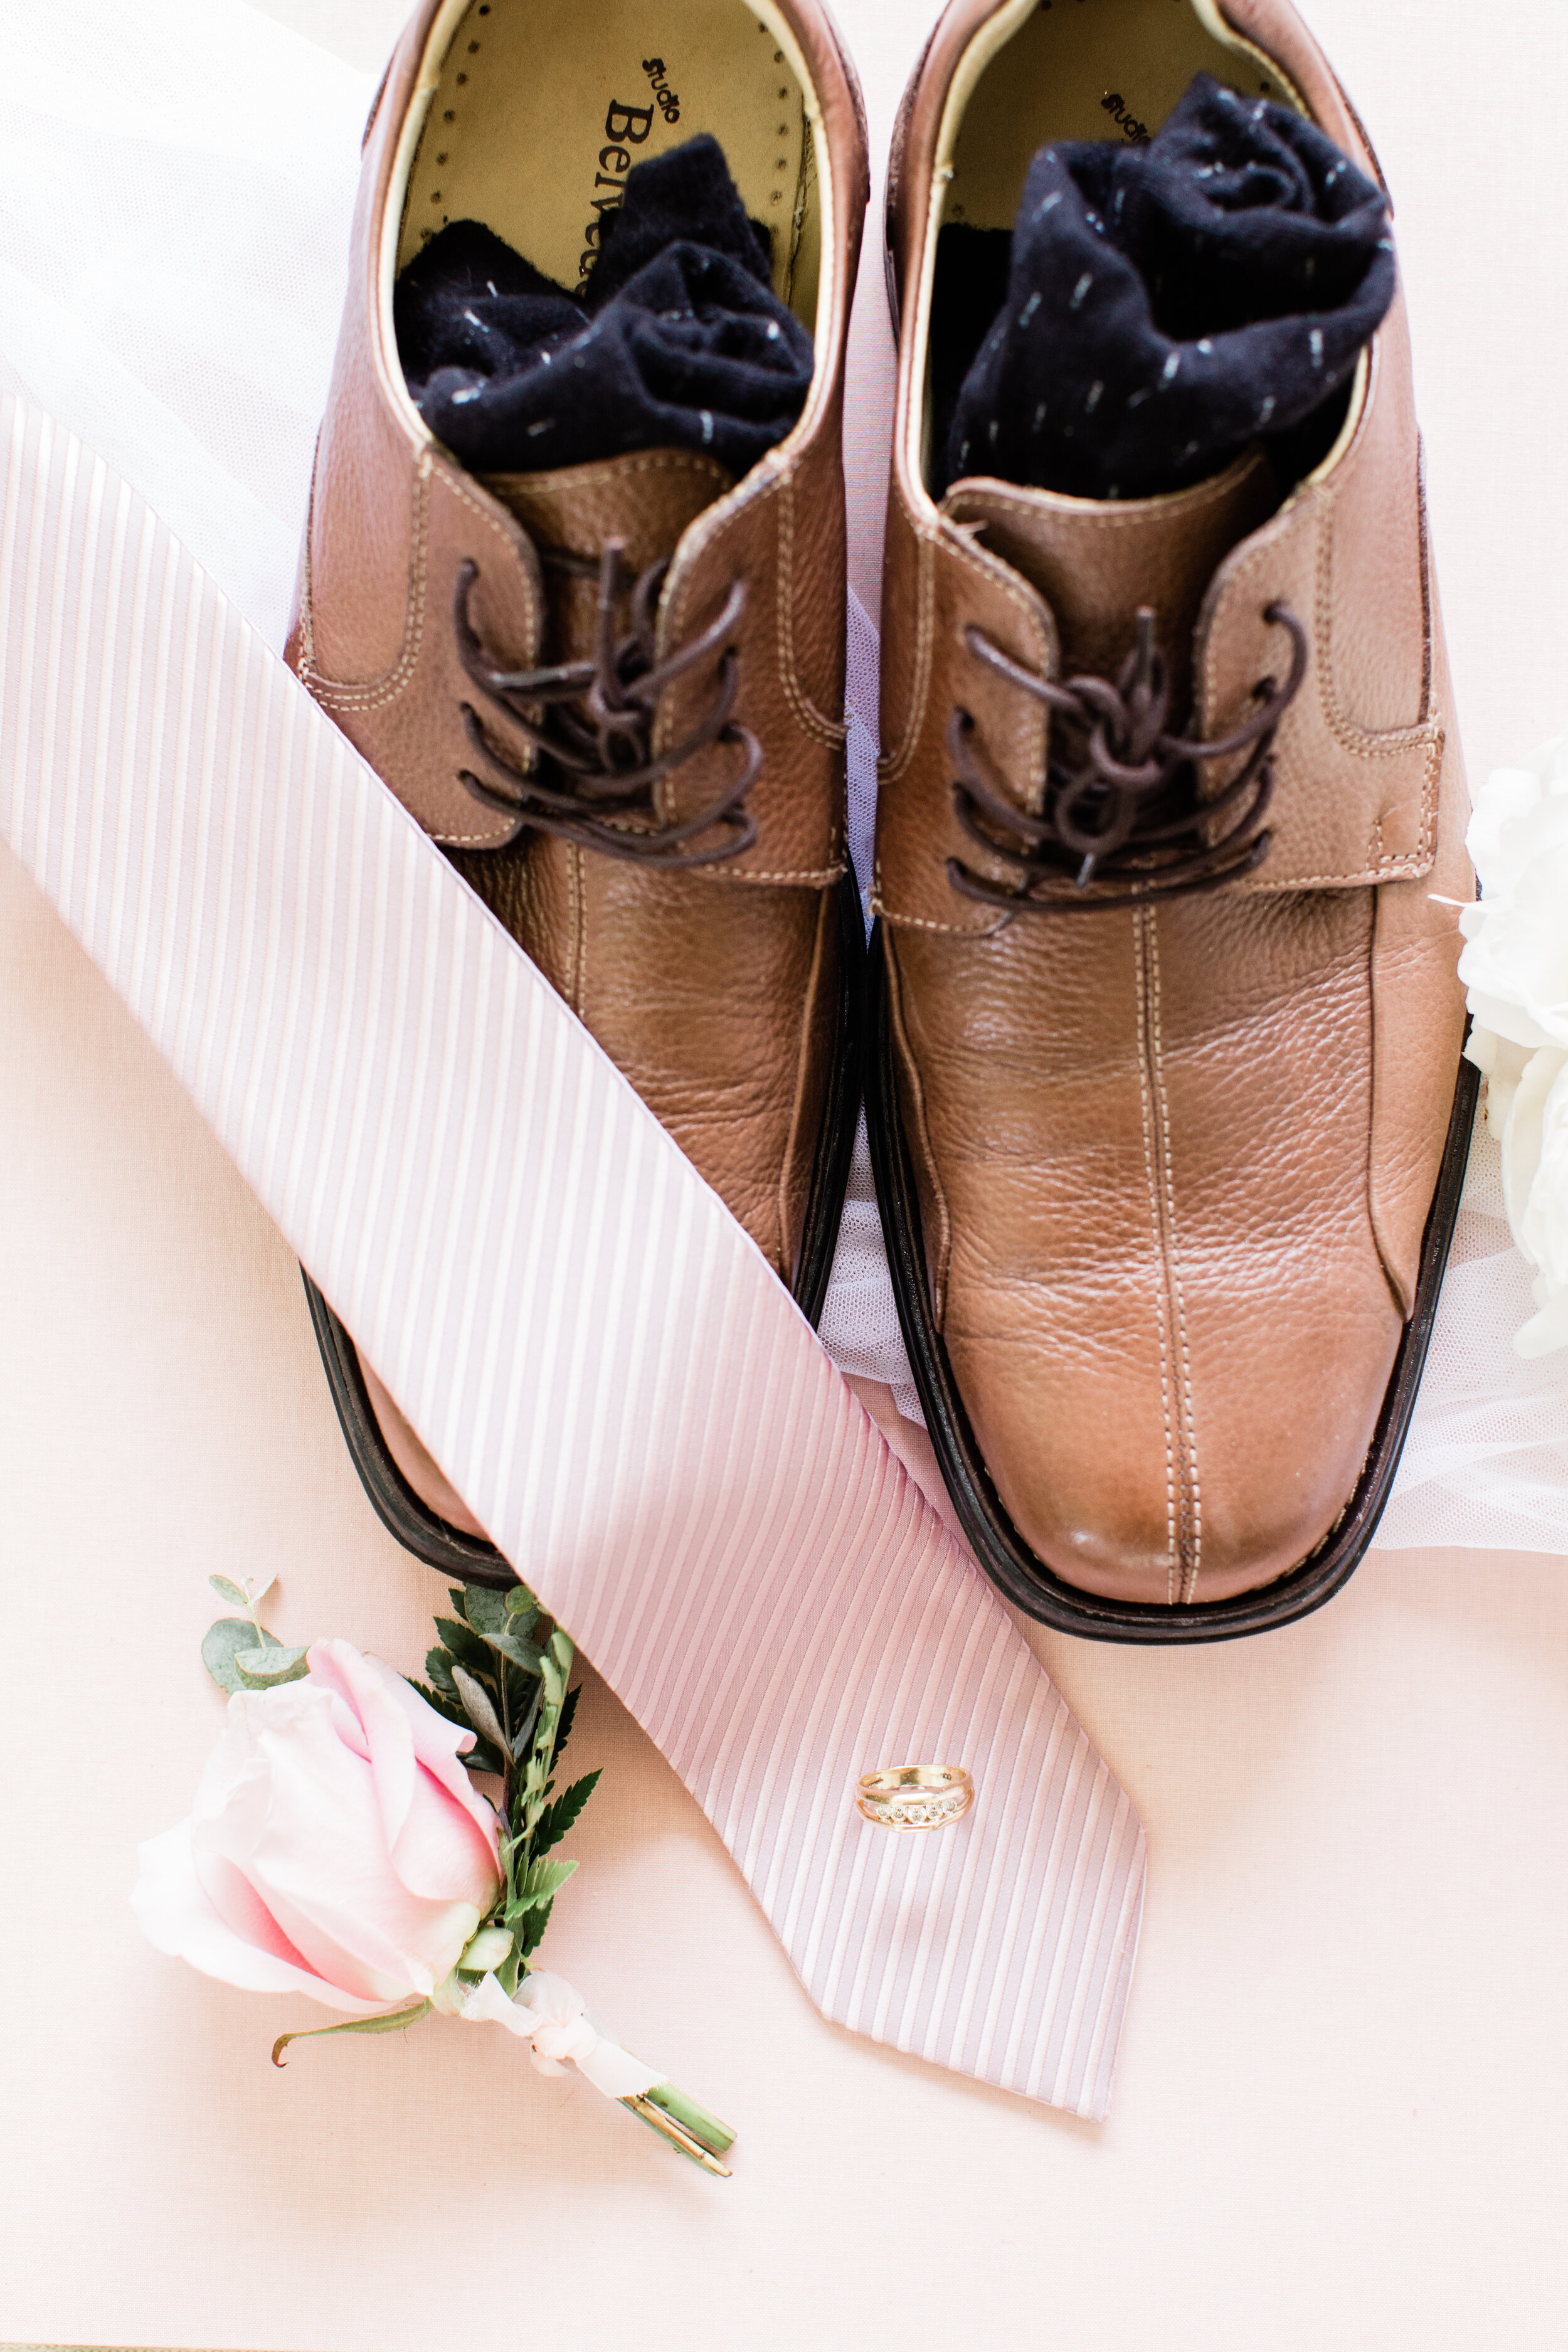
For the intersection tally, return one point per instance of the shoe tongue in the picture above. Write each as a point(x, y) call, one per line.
point(645, 501)
point(1096, 561)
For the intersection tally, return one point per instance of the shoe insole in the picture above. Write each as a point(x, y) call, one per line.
point(544, 109)
point(1083, 69)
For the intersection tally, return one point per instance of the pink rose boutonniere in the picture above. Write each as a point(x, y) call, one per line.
point(338, 1847)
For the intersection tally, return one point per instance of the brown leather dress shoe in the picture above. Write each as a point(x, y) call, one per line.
point(705, 926)
point(1168, 1161)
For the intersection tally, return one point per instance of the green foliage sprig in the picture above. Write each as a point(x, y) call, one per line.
point(499, 1673)
point(239, 1652)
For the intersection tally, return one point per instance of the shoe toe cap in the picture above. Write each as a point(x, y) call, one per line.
point(1187, 1472)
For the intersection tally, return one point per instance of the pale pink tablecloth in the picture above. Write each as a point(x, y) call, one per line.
point(1339, 2109)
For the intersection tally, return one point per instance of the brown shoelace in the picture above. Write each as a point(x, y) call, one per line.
point(594, 776)
point(1122, 802)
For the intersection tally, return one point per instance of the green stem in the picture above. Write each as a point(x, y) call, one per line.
point(714, 2135)
point(556, 1673)
point(391, 2021)
point(509, 1771)
point(657, 2109)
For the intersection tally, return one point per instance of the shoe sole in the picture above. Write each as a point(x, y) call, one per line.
point(1009, 1562)
point(400, 1508)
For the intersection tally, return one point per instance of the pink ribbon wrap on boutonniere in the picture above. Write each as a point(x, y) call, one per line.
point(551, 2017)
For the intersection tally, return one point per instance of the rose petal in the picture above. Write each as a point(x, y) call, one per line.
point(291, 1809)
point(176, 1915)
point(323, 1854)
point(318, 1857)
point(407, 1738)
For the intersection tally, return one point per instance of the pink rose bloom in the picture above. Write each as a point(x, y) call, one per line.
point(336, 1846)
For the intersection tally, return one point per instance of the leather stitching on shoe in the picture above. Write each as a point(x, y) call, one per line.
point(996, 575)
point(1192, 1494)
point(1361, 744)
point(892, 765)
point(821, 877)
point(1161, 1313)
point(377, 692)
point(807, 718)
point(687, 568)
point(942, 1250)
point(827, 921)
point(603, 472)
point(1203, 495)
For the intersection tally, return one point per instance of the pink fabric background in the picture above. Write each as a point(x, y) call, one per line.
point(1338, 2110)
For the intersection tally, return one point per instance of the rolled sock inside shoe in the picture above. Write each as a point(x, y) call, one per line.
point(1158, 308)
point(677, 339)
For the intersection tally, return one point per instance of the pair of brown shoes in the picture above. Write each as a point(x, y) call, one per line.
point(1168, 1148)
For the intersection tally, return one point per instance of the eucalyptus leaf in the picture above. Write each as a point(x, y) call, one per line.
point(220, 1643)
point(522, 1654)
point(267, 1669)
point(485, 1613)
point(392, 2020)
point(481, 1713)
point(485, 1610)
point(246, 1594)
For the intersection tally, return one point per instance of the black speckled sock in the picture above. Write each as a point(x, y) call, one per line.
point(1166, 306)
point(677, 342)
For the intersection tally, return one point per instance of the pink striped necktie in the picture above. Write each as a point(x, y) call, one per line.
point(588, 1344)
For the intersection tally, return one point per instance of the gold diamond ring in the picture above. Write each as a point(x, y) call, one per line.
point(904, 1797)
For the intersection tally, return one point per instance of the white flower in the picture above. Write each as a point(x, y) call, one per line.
point(1515, 963)
point(1515, 968)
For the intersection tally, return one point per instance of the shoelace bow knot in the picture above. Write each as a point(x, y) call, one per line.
point(592, 775)
point(1122, 799)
